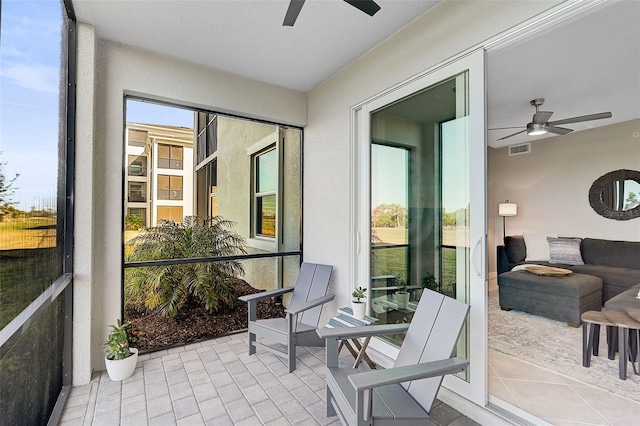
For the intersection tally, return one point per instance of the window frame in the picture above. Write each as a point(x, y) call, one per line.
point(174, 163)
point(271, 142)
point(62, 286)
point(170, 197)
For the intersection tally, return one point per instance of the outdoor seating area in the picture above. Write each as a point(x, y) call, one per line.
point(217, 382)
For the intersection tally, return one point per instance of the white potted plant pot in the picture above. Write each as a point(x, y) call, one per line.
point(358, 309)
point(402, 299)
point(120, 369)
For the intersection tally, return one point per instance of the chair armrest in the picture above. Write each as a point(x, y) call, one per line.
point(365, 331)
point(265, 294)
point(311, 304)
point(376, 378)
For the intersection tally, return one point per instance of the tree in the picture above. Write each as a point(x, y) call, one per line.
point(631, 201)
point(6, 190)
point(389, 216)
point(168, 288)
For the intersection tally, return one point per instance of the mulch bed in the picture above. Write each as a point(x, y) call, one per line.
point(194, 323)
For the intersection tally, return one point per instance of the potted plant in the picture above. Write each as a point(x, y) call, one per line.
point(122, 355)
point(357, 304)
point(429, 282)
point(402, 295)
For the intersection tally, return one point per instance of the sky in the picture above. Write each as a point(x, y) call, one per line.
point(148, 113)
point(29, 110)
point(29, 78)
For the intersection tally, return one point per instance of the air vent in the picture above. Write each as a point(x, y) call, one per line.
point(523, 148)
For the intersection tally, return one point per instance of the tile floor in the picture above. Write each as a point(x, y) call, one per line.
point(217, 383)
point(555, 398)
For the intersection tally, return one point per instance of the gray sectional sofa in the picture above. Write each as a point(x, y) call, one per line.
point(615, 263)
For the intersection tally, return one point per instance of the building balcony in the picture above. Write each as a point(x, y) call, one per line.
point(137, 198)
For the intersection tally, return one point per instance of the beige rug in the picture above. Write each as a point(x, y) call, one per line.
point(555, 346)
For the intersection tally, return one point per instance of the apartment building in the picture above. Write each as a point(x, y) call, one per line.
point(158, 173)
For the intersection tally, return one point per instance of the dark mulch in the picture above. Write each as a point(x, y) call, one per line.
point(194, 323)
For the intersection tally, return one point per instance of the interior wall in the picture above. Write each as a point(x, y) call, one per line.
point(329, 235)
point(121, 70)
point(551, 184)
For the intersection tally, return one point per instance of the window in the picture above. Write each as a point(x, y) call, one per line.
point(170, 157)
point(266, 184)
point(137, 192)
point(137, 165)
point(207, 187)
point(169, 187)
point(207, 135)
point(172, 213)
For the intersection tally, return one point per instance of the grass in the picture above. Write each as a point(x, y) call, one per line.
point(29, 262)
point(392, 261)
point(28, 233)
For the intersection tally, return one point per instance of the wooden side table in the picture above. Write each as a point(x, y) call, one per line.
point(345, 318)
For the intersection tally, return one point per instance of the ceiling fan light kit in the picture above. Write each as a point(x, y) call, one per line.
point(535, 129)
point(540, 125)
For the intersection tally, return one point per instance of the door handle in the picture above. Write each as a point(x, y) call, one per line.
point(474, 257)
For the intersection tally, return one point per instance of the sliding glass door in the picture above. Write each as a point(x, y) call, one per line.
point(421, 205)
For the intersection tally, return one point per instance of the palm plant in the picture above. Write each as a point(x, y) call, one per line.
point(170, 287)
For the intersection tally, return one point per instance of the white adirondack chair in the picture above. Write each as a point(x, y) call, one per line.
point(405, 393)
point(303, 314)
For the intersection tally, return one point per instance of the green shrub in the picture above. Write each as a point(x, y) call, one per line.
point(169, 287)
point(133, 222)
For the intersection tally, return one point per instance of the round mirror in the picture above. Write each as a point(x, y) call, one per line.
point(616, 195)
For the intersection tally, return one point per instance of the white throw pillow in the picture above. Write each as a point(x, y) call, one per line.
point(537, 247)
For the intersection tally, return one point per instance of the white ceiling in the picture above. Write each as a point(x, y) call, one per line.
point(587, 65)
point(246, 37)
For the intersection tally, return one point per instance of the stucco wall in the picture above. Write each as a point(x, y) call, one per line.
point(448, 29)
point(551, 184)
point(84, 331)
point(120, 70)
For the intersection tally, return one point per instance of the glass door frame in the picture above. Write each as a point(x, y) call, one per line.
point(476, 390)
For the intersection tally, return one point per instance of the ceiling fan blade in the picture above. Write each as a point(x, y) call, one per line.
point(541, 117)
point(369, 7)
point(292, 12)
point(558, 130)
point(506, 128)
point(516, 133)
point(581, 118)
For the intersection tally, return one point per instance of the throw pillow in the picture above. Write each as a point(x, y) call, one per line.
point(537, 247)
point(565, 251)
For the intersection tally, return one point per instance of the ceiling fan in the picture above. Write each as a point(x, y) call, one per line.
point(369, 7)
point(540, 125)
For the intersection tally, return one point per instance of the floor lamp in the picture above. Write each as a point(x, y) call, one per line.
point(506, 209)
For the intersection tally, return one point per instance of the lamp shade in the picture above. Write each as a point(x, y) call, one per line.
point(507, 209)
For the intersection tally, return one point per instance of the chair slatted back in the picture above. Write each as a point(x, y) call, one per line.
point(313, 282)
point(432, 335)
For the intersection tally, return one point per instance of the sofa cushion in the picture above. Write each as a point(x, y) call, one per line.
point(565, 251)
point(515, 247)
point(537, 246)
point(625, 254)
point(615, 280)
